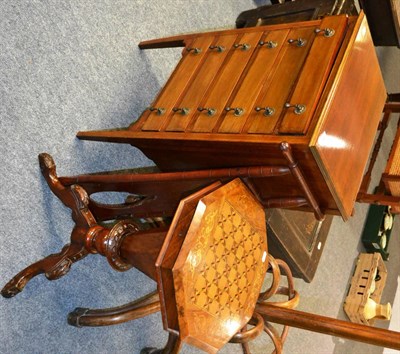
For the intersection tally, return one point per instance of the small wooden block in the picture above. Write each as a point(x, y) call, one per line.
point(368, 264)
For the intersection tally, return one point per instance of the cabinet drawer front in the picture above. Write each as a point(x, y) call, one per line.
point(313, 77)
point(279, 85)
point(204, 77)
point(255, 75)
point(179, 80)
point(225, 82)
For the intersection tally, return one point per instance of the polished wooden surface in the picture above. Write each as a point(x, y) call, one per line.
point(331, 74)
point(169, 253)
point(280, 82)
point(219, 270)
point(253, 79)
point(201, 83)
point(173, 89)
point(343, 140)
point(224, 85)
point(314, 74)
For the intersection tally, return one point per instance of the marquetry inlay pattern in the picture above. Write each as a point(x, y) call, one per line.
point(220, 268)
point(230, 268)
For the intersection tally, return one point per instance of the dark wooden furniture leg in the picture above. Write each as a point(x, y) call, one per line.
point(382, 195)
point(294, 167)
point(173, 346)
point(56, 265)
point(84, 317)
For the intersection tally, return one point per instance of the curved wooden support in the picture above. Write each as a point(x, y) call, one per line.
point(173, 346)
point(245, 345)
point(276, 278)
point(84, 317)
point(73, 197)
point(53, 266)
point(56, 265)
point(151, 350)
point(248, 335)
point(274, 335)
point(275, 289)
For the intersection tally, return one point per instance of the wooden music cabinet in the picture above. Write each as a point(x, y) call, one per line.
point(236, 94)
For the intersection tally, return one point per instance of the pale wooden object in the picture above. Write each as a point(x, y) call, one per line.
point(364, 286)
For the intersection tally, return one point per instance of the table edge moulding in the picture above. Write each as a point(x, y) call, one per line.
point(331, 140)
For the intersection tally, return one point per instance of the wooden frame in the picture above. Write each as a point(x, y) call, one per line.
point(388, 192)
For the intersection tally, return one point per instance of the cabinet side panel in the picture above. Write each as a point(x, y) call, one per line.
point(345, 133)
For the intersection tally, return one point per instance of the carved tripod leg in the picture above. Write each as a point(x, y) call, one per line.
point(73, 197)
point(53, 266)
point(56, 265)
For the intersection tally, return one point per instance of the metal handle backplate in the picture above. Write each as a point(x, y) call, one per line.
point(237, 111)
point(298, 108)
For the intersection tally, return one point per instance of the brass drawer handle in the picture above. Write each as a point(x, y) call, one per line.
point(244, 46)
point(328, 32)
point(210, 111)
point(184, 110)
point(219, 48)
point(237, 111)
point(160, 111)
point(298, 108)
point(268, 111)
point(300, 42)
point(194, 50)
point(268, 44)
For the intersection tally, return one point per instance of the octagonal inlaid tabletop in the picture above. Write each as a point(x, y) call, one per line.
point(219, 268)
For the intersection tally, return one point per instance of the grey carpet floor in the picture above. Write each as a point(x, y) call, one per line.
point(75, 65)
